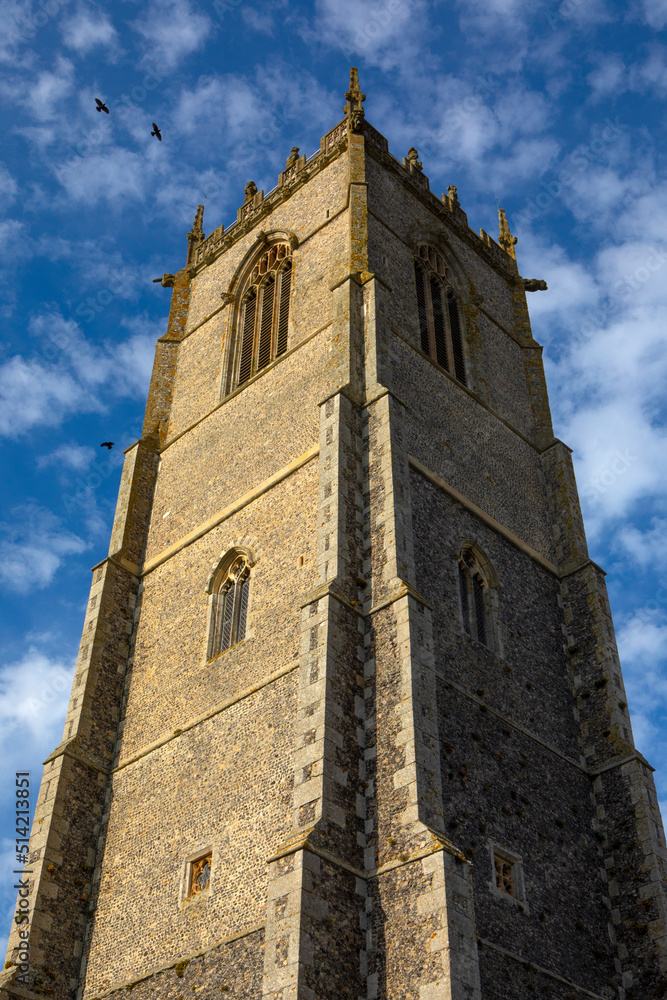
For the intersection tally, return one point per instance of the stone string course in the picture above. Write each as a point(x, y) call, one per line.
point(351, 764)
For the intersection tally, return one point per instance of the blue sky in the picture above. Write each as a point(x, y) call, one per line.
point(556, 109)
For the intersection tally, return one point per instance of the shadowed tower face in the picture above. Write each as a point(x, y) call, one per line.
point(348, 719)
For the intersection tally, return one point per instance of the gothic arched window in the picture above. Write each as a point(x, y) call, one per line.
point(265, 311)
point(229, 606)
point(440, 329)
point(478, 599)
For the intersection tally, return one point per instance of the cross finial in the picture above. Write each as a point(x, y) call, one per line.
point(354, 97)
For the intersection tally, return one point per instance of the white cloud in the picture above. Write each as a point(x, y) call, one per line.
point(71, 456)
point(642, 644)
point(650, 75)
point(68, 375)
point(655, 13)
point(261, 21)
point(49, 89)
point(609, 77)
point(11, 236)
point(647, 547)
point(530, 159)
point(34, 694)
point(619, 453)
point(88, 29)
point(603, 324)
point(8, 188)
point(211, 188)
point(133, 358)
point(257, 119)
point(495, 130)
point(171, 30)
point(116, 175)
point(33, 548)
point(34, 393)
point(99, 266)
point(572, 288)
point(494, 12)
point(387, 33)
point(18, 28)
point(510, 22)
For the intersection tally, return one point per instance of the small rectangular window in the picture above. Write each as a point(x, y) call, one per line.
point(507, 875)
point(504, 875)
point(199, 875)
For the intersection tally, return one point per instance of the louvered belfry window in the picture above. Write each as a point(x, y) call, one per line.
point(440, 331)
point(230, 608)
point(265, 311)
point(473, 589)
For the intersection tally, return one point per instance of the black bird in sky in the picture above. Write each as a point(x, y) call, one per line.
point(107, 444)
point(101, 106)
point(156, 132)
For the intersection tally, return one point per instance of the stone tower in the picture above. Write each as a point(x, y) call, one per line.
point(348, 718)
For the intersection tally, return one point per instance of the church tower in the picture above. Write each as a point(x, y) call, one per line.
point(348, 719)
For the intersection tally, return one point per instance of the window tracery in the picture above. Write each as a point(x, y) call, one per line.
point(264, 320)
point(229, 607)
point(475, 598)
point(440, 328)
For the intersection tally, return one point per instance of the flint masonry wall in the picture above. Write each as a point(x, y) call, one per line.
point(233, 967)
point(223, 457)
point(318, 264)
point(471, 450)
point(497, 363)
point(476, 452)
point(195, 719)
point(221, 796)
point(70, 800)
point(172, 682)
point(511, 759)
point(304, 213)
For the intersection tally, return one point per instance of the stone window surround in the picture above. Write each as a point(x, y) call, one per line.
point(271, 261)
point(430, 261)
point(226, 565)
point(185, 897)
point(491, 591)
point(497, 850)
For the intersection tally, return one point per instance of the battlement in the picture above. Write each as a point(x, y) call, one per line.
point(299, 170)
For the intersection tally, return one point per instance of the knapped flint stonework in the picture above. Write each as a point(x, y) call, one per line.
point(358, 769)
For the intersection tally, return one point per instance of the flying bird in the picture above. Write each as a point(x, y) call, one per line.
point(107, 444)
point(101, 106)
point(156, 132)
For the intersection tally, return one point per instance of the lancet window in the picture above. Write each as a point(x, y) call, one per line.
point(229, 607)
point(440, 330)
point(265, 311)
point(476, 598)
